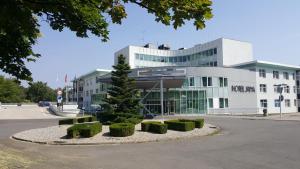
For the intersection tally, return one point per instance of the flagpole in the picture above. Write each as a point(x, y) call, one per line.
point(66, 88)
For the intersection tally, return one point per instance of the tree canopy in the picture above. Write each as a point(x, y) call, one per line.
point(19, 22)
point(122, 95)
point(10, 91)
point(39, 91)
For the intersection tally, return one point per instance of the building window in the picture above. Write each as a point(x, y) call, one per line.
point(215, 64)
point(192, 81)
point(97, 90)
point(221, 81)
point(295, 89)
point(215, 51)
point(277, 103)
point(262, 73)
point(210, 103)
point(264, 103)
point(225, 82)
point(294, 76)
point(263, 88)
point(204, 81)
point(207, 81)
point(275, 74)
point(286, 75)
point(276, 89)
point(87, 93)
point(287, 89)
point(287, 103)
point(295, 102)
point(221, 102)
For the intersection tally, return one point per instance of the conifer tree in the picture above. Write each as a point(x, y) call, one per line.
point(122, 95)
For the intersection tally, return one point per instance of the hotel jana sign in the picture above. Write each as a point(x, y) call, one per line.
point(243, 89)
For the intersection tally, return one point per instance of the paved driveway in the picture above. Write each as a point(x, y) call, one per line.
point(242, 144)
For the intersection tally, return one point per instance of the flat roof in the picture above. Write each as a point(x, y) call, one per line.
point(267, 63)
point(94, 71)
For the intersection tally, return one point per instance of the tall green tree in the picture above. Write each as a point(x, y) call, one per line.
point(122, 95)
point(39, 91)
point(10, 91)
point(19, 22)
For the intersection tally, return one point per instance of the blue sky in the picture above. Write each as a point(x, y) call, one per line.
point(272, 26)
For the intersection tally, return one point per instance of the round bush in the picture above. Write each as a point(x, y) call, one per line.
point(121, 129)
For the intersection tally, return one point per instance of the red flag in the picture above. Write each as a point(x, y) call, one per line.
point(66, 78)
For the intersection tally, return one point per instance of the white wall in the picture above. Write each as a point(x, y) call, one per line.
point(271, 95)
point(239, 102)
point(229, 52)
point(235, 52)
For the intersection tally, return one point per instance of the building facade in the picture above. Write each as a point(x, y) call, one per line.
point(220, 52)
point(217, 77)
point(86, 89)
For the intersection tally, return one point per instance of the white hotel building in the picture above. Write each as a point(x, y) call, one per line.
point(216, 77)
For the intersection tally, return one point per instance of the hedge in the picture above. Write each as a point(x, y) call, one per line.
point(110, 118)
point(146, 125)
point(77, 120)
point(158, 128)
point(88, 129)
point(180, 125)
point(121, 129)
point(199, 123)
point(67, 121)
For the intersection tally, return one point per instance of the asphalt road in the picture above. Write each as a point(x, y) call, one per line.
point(242, 144)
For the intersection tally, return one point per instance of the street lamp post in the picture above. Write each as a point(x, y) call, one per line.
point(280, 87)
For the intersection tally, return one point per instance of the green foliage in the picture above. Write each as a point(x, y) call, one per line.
point(77, 120)
point(67, 121)
point(88, 129)
point(39, 91)
point(146, 125)
point(121, 129)
point(158, 128)
point(123, 97)
point(180, 125)
point(19, 26)
point(110, 118)
point(10, 91)
point(155, 127)
point(199, 123)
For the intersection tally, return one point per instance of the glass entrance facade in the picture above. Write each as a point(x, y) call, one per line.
point(177, 102)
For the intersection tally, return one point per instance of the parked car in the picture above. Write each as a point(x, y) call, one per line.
point(149, 116)
point(44, 103)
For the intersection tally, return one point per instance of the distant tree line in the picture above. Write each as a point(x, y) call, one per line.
point(12, 92)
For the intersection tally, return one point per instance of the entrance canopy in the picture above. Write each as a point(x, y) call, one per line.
point(146, 78)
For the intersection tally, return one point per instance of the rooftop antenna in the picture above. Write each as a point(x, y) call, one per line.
point(143, 39)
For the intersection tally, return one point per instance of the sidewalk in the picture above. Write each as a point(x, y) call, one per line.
point(285, 116)
point(25, 112)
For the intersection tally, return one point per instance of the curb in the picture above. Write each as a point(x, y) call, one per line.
point(214, 132)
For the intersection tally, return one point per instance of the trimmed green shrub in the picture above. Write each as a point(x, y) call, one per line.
point(158, 128)
point(133, 120)
point(67, 121)
point(199, 123)
point(180, 125)
point(77, 120)
point(146, 125)
point(88, 129)
point(121, 129)
point(82, 119)
point(110, 118)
